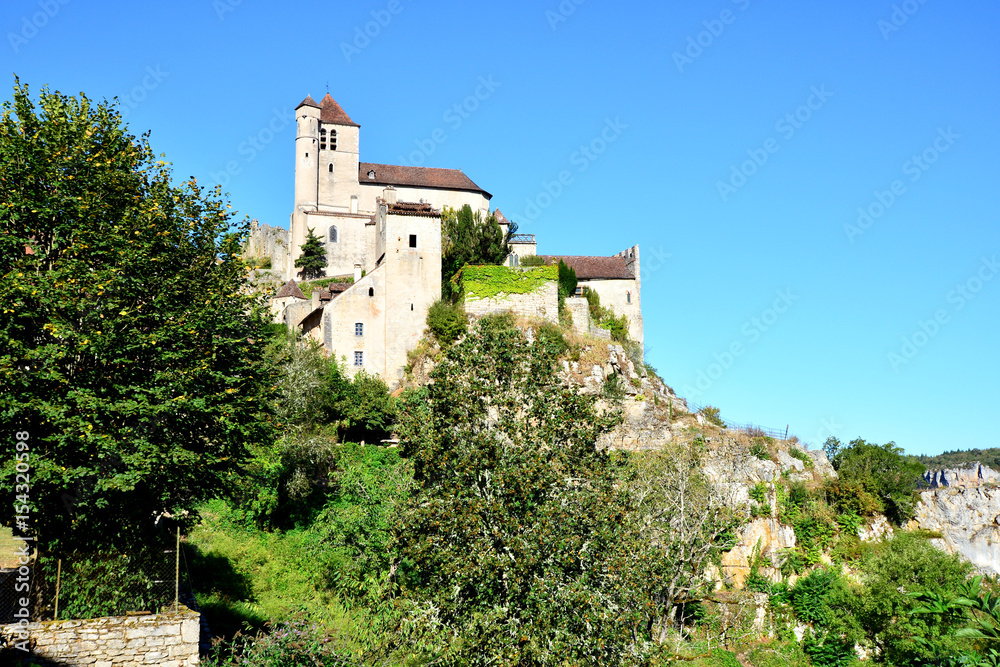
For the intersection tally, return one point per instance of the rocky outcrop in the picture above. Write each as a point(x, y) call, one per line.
point(968, 520)
point(975, 474)
point(268, 243)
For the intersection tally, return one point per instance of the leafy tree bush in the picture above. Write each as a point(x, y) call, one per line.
point(512, 550)
point(712, 416)
point(312, 259)
point(875, 478)
point(467, 238)
point(892, 574)
point(447, 321)
point(295, 643)
point(131, 350)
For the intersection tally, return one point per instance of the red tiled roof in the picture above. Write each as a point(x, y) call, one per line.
point(290, 288)
point(501, 218)
point(418, 177)
point(595, 268)
point(333, 113)
point(308, 102)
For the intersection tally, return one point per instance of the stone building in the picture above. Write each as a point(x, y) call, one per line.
point(381, 225)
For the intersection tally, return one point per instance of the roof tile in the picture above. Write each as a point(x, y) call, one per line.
point(417, 177)
point(595, 268)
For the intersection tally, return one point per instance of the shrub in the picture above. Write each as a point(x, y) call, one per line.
point(797, 453)
point(550, 337)
point(758, 449)
point(758, 492)
point(711, 414)
point(532, 260)
point(447, 321)
point(296, 643)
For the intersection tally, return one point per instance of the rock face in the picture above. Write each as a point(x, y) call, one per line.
point(968, 518)
point(267, 242)
point(975, 474)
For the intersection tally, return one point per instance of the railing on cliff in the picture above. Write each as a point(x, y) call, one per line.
point(755, 429)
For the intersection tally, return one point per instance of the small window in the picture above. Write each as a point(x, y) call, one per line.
point(359, 329)
point(578, 292)
point(413, 240)
point(628, 297)
point(322, 139)
point(359, 359)
point(333, 234)
point(371, 291)
point(307, 156)
point(329, 168)
point(333, 140)
point(371, 174)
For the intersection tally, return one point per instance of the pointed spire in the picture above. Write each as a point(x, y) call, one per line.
point(333, 113)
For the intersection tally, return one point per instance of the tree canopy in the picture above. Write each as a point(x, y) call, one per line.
point(130, 346)
point(513, 551)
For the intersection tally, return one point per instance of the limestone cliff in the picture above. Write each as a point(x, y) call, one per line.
point(968, 520)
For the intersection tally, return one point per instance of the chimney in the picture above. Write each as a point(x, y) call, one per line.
point(389, 195)
point(357, 273)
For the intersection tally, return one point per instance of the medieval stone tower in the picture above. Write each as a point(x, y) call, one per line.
point(337, 195)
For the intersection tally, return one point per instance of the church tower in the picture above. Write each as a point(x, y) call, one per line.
point(327, 151)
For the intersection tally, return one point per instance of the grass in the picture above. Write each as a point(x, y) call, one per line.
point(244, 577)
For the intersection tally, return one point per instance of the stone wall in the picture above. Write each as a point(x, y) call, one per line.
point(168, 640)
point(543, 304)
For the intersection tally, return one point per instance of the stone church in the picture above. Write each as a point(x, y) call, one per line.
point(381, 224)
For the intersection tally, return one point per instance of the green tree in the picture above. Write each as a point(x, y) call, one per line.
point(131, 352)
point(468, 238)
point(312, 259)
point(893, 574)
point(512, 552)
point(876, 478)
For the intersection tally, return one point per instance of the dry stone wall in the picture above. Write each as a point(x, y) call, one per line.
point(542, 304)
point(167, 640)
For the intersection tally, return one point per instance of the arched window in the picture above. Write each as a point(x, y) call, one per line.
point(333, 140)
point(371, 174)
point(371, 291)
point(330, 168)
point(333, 234)
point(322, 139)
point(628, 297)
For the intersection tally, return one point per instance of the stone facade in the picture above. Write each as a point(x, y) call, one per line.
point(167, 640)
point(374, 323)
point(541, 304)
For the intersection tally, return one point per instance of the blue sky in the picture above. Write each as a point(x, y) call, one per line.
point(734, 140)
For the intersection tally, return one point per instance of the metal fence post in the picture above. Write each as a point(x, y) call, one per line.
point(177, 571)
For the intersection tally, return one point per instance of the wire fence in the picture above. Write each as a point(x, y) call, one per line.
point(752, 429)
point(90, 585)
